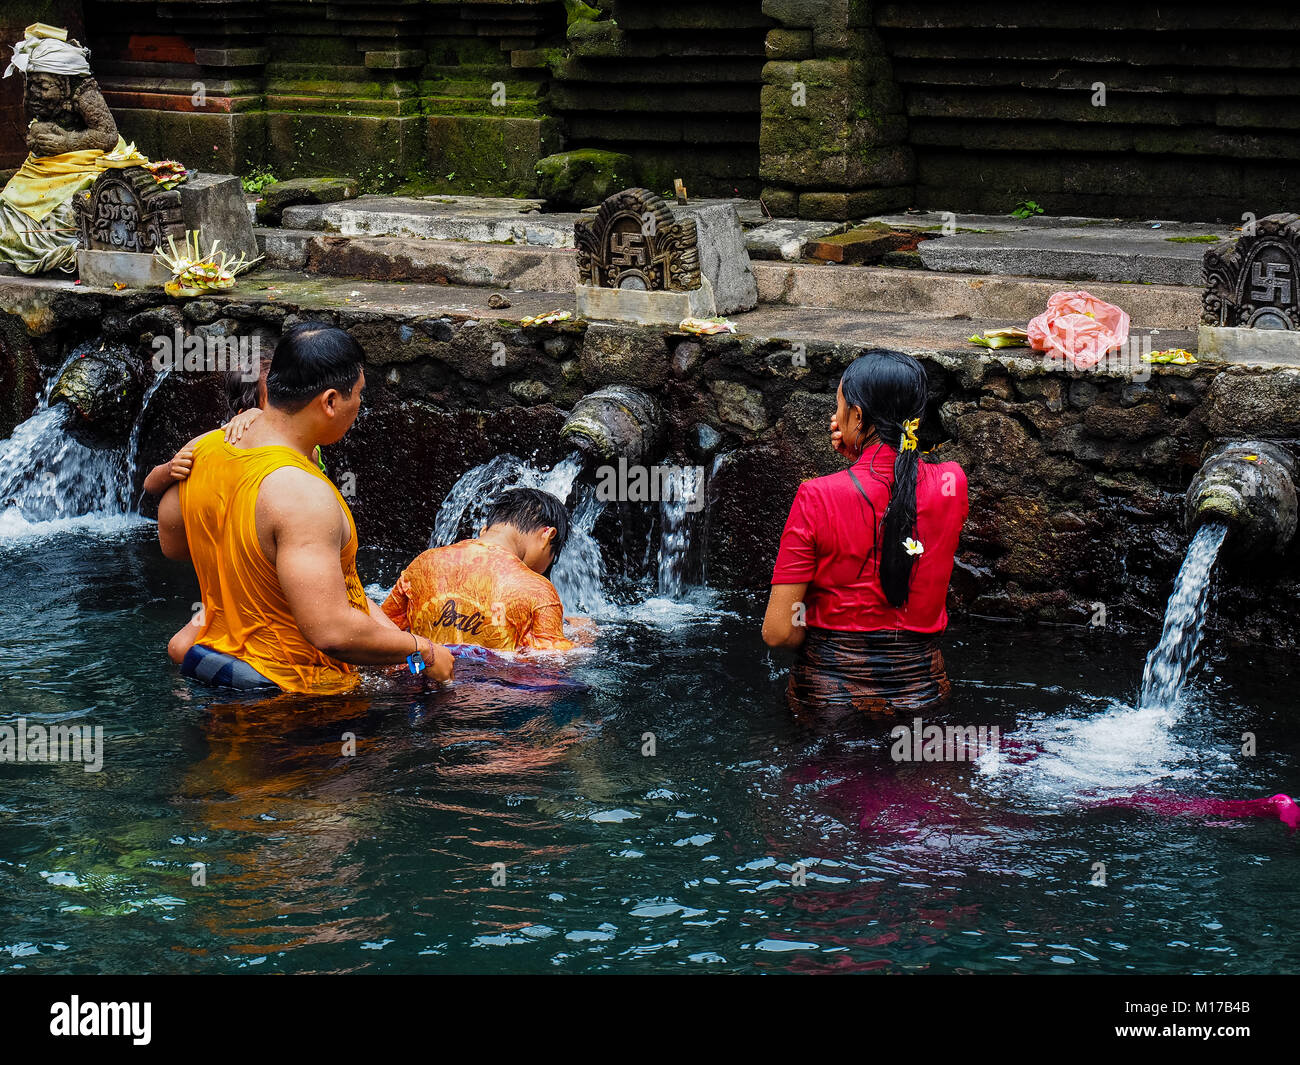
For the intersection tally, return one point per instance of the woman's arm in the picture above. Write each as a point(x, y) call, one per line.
point(783, 624)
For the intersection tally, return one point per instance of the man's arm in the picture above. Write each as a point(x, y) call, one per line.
point(307, 528)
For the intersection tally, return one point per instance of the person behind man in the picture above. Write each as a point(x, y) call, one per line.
point(273, 542)
point(491, 591)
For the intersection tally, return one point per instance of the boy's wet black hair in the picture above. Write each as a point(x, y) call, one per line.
point(530, 509)
point(240, 394)
point(311, 358)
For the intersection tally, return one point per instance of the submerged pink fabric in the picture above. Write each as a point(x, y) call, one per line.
point(1283, 807)
point(1080, 328)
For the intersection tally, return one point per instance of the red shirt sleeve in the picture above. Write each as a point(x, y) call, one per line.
point(796, 560)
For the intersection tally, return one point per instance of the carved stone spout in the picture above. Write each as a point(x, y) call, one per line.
point(1250, 486)
point(614, 422)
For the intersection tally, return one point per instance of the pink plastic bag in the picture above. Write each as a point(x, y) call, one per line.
point(1079, 327)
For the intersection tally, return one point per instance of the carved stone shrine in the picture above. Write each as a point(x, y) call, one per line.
point(638, 263)
point(1254, 284)
point(1251, 303)
point(125, 210)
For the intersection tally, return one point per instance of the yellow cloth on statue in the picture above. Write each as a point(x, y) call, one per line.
point(41, 185)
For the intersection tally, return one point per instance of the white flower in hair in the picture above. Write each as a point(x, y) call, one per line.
point(913, 547)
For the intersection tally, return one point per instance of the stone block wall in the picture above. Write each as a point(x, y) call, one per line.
point(834, 136)
point(674, 84)
point(433, 95)
point(1200, 117)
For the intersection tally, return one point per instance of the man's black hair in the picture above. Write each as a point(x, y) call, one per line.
point(311, 358)
point(530, 509)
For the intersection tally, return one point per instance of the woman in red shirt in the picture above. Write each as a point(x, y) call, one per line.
point(862, 574)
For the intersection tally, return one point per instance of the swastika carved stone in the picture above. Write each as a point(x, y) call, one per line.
point(635, 243)
point(1254, 283)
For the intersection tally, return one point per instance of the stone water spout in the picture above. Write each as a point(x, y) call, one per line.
point(103, 387)
point(1248, 485)
point(614, 422)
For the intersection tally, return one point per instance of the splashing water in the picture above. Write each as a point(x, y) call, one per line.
point(133, 444)
point(463, 510)
point(47, 477)
point(1169, 664)
point(579, 572)
point(1129, 746)
point(681, 498)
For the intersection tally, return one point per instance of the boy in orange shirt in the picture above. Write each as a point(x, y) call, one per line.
point(490, 591)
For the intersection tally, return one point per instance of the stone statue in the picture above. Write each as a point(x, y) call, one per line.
point(70, 130)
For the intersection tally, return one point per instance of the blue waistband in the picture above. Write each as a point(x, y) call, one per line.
point(221, 670)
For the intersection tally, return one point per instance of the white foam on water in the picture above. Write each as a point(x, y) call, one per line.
point(15, 528)
point(697, 605)
point(1119, 751)
point(1126, 747)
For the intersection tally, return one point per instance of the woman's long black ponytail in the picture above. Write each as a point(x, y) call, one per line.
point(891, 389)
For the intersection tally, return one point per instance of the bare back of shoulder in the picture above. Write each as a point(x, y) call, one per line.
point(298, 507)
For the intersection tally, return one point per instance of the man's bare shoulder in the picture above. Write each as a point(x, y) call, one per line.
point(290, 496)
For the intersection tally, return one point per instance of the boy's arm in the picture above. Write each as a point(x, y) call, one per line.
point(160, 477)
point(166, 474)
point(171, 526)
point(547, 633)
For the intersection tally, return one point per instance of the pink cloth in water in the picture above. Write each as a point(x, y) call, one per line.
point(1079, 327)
point(1283, 807)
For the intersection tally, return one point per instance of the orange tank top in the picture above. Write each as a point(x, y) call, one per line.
point(246, 614)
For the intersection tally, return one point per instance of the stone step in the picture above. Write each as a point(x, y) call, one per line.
point(1067, 249)
point(985, 296)
point(485, 220)
point(791, 285)
point(444, 262)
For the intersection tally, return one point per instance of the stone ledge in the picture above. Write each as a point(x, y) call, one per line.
point(925, 292)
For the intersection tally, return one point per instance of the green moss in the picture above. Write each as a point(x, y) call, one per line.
point(576, 10)
point(1206, 239)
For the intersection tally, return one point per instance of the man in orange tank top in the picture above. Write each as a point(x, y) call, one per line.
point(273, 542)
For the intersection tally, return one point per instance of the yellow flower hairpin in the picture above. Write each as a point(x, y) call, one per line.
point(913, 547)
point(910, 427)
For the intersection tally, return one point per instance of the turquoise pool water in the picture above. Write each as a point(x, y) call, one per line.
point(607, 858)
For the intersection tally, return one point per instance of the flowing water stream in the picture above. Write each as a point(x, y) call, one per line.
point(1174, 656)
point(49, 480)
